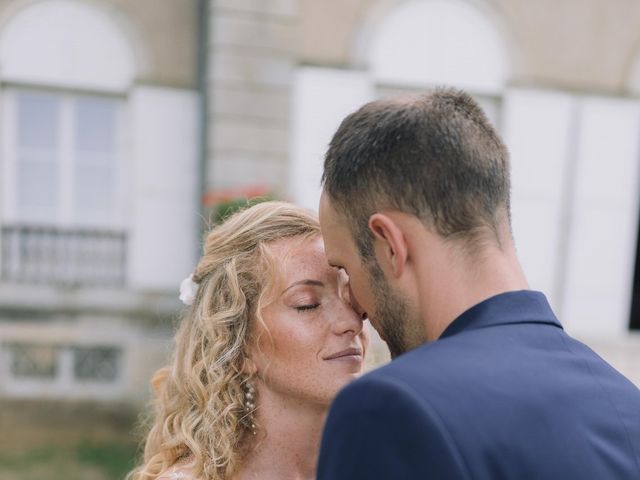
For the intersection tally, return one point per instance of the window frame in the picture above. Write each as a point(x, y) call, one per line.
point(66, 214)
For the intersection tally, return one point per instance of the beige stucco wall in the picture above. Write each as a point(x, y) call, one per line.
point(327, 30)
point(573, 44)
point(169, 30)
point(580, 45)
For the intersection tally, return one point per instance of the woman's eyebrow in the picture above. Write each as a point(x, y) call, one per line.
point(316, 283)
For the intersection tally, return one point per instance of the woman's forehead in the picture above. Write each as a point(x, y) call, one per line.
point(300, 257)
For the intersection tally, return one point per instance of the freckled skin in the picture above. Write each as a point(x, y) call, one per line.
point(292, 364)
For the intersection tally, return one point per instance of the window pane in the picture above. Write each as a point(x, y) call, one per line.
point(96, 148)
point(96, 124)
point(37, 185)
point(33, 361)
point(95, 192)
point(66, 158)
point(38, 120)
point(98, 364)
point(37, 155)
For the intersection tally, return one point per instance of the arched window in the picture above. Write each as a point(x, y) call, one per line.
point(425, 43)
point(400, 47)
point(67, 44)
point(66, 69)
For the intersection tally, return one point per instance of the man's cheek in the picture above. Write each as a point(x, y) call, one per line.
point(355, 295)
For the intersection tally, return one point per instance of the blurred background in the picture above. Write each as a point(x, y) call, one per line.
point(125, 124)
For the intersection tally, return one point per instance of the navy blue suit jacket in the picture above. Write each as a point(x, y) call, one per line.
point(504, 393)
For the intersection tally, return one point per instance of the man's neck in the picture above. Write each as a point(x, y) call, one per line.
point(460, 281)
point(288, 439)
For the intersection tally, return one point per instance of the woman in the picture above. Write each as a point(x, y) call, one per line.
point(269, 339)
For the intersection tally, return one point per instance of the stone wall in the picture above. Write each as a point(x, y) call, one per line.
point(250, 65)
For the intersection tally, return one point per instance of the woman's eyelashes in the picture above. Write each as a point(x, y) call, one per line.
point(304, 308)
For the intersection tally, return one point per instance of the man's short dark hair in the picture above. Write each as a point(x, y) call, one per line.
point(435, 156)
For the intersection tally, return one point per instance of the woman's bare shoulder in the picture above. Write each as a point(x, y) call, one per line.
point(177, 473)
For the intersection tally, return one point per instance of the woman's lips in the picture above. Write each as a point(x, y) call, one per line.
point(349, 353)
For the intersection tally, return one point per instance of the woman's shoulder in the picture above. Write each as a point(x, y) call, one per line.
point(177, 473)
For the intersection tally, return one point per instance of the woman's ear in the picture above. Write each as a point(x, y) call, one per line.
point(390, 241)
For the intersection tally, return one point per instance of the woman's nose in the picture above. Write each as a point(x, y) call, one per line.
point(348, 319)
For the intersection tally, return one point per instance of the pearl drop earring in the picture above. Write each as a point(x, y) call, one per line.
point(250, 406)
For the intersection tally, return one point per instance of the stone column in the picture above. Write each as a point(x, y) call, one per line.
point(250, 68)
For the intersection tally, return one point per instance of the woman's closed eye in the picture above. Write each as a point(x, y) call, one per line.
point(304, 308)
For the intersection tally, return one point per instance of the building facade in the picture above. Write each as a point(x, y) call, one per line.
point(117, 115)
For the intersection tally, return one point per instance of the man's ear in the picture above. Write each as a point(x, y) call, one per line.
point(389, 235)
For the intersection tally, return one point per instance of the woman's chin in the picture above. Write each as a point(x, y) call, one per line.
point(337, 380)
point(346, 378)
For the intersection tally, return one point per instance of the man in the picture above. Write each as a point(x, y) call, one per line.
point(485, 383)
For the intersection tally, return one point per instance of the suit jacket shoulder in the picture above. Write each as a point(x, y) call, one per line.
point(384, 426)
point(504, 393)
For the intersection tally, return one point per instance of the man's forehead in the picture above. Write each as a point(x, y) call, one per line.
point(328, 215)
point(323, 204)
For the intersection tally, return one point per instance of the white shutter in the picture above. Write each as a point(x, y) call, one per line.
point(602, 245)
point(537, 129)
point(164, 214)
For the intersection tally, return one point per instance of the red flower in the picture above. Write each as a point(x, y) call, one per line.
point(234, 193)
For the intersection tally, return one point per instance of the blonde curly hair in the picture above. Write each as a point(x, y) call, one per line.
point(200, 396)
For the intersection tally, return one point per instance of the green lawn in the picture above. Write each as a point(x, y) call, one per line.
point(62, 442)
point(84, 460)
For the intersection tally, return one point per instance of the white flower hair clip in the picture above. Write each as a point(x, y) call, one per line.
point(188, 290)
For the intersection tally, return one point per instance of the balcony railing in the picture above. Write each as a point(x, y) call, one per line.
point(60, 256)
